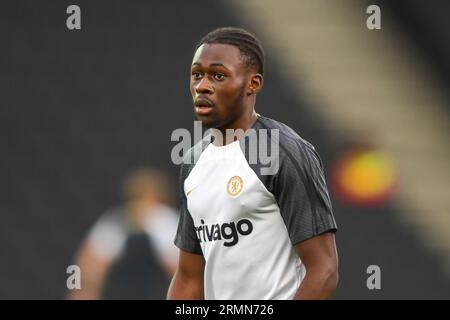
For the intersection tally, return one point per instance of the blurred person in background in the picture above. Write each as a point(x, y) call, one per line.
point(129, 252)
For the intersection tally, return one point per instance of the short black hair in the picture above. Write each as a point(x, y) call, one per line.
point(249, 46)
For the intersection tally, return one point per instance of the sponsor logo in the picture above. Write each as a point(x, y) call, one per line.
point(228, 232)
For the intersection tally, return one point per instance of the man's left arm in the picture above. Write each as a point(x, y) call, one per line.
point(319, 256)
point(305, 206)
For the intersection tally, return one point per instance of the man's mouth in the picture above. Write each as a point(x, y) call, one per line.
point(203, 106)
point(203, 109)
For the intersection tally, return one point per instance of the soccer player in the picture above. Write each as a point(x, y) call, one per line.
point(244, 234)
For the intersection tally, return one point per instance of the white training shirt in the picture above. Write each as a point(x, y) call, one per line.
point(246, 223)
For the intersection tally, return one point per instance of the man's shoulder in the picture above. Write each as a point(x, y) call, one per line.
point(192, 155)
point(115, 215)
point(291, 144)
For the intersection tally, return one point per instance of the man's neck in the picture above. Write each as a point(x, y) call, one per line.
point(224, 136)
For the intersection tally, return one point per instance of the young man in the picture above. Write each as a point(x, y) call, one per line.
point(244, 234)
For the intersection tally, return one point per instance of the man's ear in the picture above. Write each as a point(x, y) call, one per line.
point(255, 83)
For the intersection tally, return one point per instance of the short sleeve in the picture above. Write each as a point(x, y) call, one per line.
point(186, 237)
point(302, 194)
point(162, 226)
point(107, 237)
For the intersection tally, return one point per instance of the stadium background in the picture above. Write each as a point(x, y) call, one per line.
point(81, 108)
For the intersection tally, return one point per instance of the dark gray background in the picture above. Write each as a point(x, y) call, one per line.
point(81, 108)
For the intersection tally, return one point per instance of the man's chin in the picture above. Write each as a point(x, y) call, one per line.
point(208, 122)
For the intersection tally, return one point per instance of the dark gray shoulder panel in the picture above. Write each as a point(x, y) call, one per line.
point(298, 184)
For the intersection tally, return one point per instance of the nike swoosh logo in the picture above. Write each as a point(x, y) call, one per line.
point(187, 193)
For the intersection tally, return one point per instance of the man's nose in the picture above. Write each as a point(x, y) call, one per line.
point(204, 86)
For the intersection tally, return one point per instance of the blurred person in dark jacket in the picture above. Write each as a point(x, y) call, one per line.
point(129, 252)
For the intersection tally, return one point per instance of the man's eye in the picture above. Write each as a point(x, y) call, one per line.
point(196, 75)
point(219, 76)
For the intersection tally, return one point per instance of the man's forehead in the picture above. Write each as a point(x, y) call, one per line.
point(217, 53)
